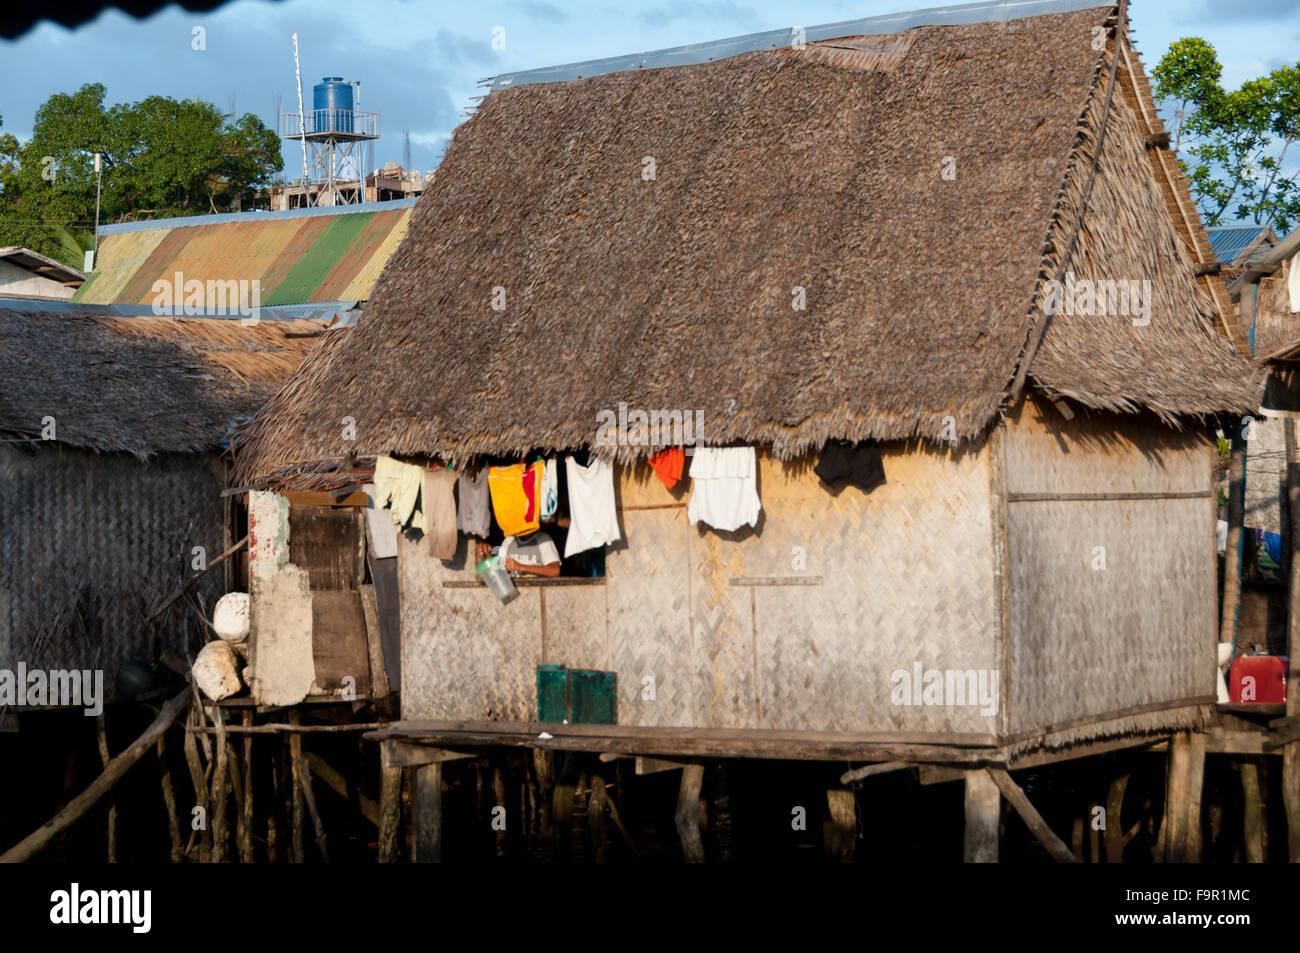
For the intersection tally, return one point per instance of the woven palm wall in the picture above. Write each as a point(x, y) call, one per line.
point(90, 544)
point(1112, 600)
point(901, 575)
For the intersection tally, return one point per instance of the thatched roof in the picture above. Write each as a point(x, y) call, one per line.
point(141, 385)
point(819, 168)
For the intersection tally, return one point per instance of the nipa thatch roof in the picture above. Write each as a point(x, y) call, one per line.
point(141, 385)
point(819, 169)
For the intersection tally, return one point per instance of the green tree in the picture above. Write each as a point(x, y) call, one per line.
point(1236, 140)
point(161, 157)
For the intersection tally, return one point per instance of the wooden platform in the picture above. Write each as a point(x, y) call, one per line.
point(695, 742)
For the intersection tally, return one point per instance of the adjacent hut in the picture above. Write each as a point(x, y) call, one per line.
point(858, 232)
point(112, 433)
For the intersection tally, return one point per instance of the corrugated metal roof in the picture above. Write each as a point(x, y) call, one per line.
point(1229, 242)
point(988, 11)
point(298, 257)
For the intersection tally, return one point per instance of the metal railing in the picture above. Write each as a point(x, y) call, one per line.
point(324, 122)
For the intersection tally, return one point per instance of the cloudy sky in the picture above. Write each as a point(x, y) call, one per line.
point(419, 62)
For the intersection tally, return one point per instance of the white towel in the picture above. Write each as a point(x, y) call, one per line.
point(550, 488)
point(1293, 284)
point(724, 487)
point(593, 520)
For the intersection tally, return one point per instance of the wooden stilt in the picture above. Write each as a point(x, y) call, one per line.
point(299, 850)
point(983, 810)
point(562, 819)
point(200, 784)
point(499, 800)
point(307, 796)
point(1253, 821)
point(1033, 820)
point(1094, 835)
point(1236, 516)
point(246, 817)
point(598, 822)
point(1184, 783)
point(101, 732)
point(390, 811)
point(1115, 840)
point(169, 802)
point(688, 813)
point(842, 828)
point(544, 766)
point(428, 813)
point(220, 778)
point(1195, 794)
point(277, 803)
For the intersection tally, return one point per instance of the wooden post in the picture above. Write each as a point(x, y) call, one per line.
point(842, 828)
point(200, 786)
point(1253, 821)
point(428, 813)
point(983, 814)
point(1291, 753)
point(246, 817)
point(688, 813)
point(390, 810)
point(277, 803)
point(302, 778)
point(101, 732)
point(169, 802)
point(499, 800)
point(298, 852)
point(1177, 778)
point(1115, 841)
point(1236, 515)
point(544, 766)
point(219, 780)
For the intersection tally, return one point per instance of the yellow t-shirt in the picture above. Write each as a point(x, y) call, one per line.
point(516, 497)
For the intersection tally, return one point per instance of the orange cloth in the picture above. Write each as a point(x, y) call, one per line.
point(669, 464)
point(516, 492)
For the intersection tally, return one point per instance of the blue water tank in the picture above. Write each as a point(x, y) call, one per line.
point(332, 100)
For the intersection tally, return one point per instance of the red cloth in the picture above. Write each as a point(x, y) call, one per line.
point(532, 483)
point(668, 464)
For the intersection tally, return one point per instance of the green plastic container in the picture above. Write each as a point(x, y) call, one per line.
point(593, 698)
point(552, 693)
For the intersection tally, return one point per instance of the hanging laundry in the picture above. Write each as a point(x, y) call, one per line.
point(474, 513)
point(724, 487)
point(383, 531)
point(515, 490)
point(1293, 284)
point(858, 463)
point(668, 464)
point(439, 506)
point(397, 486)
point(593, 520)
point(550, 489)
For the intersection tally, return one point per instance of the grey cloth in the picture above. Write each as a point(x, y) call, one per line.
point(383, 531)
point(474, 513)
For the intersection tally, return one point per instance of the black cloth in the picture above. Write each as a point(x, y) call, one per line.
point(858, 463)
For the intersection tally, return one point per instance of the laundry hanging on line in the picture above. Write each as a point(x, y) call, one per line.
point(516, 497)
point(438, 505)
point(668, 465)
point(858, 463)
point(593, 518)
point(724, 487)
point(474, 510)
point(397, 487)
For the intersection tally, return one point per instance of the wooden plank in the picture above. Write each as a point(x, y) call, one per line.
point(1056, 847)
point(428, 814)
point(324, 541)
point(401, 754)
point(1226, 741)
point(1103, 497)
point(339, 646)
point(339, 785)
point(983, 819)
point(777, 581)
point(374, 642)
point(687, 816)
point(383, 572)
point(871, 770)
point(529, 582)
point(656, 765)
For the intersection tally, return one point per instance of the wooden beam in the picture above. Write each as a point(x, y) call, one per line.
point(842, 827)
point(1236, 516)
point(1158, 140)
point(1287, 730)
point(339, 785)
point(884, 767)
point(390, 811)
point(1207, 268)
point(401, 754)
point(1056, 848)
point(983, 819)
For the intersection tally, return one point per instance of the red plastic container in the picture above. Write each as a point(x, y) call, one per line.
point(1258, 679)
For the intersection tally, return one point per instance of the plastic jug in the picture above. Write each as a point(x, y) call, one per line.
point(493, 572)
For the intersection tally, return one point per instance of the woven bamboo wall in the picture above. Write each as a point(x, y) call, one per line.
point(1086, 641)
point(90, 544)
point(906, 575)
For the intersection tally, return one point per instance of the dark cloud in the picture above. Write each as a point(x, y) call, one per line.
point(539, 10)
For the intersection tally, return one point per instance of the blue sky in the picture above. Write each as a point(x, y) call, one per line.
point(419, 62)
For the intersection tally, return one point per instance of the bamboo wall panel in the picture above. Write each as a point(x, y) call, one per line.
point(906, 577)
point(1086, 642)
point(1101, 453)
point(97, 541)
